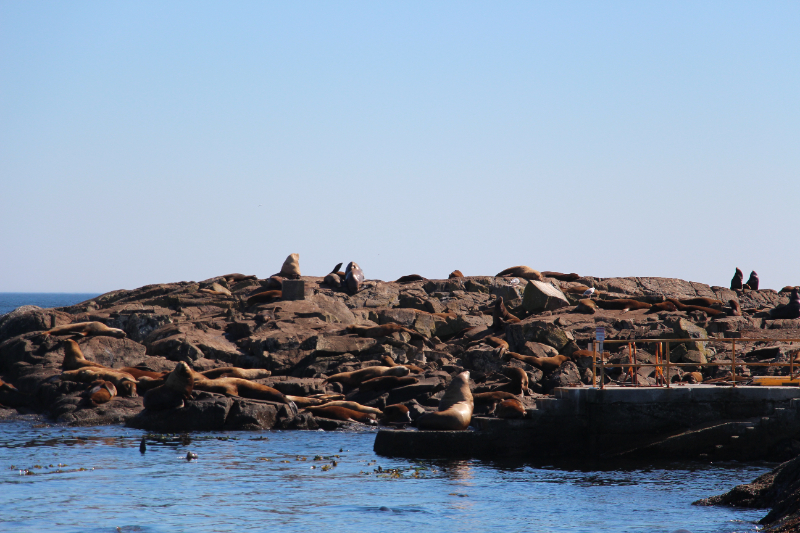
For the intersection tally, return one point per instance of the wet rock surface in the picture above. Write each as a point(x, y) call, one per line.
point(441, 327)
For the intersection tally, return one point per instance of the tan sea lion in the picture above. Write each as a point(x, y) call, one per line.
point(357, 377)
point(85, 329)
point(738, 278)
point(500, 315)
point(546, 364)
point(74, 358)
point(353, 277)
point(511, 408)
point(124, 382)
point(243, 388)
point(216, 289)
point(100, 392)
point(624, 304)
point(171, 394)
point(519, 381)
point(236, 372)
point(10, 396)
point(495, 342)
point(388, 361)
point(410, 278)
point(455, 407)
point(141, 373)
point(344, 414)
point(455, 274)
point(575, 289)
point(303, 401)
point(291, 267)
point(521, 271)
point(354, 406)
point(264, 297)
point(386, 383)
point(559, 276)
point(397, 414)
point(586, 306)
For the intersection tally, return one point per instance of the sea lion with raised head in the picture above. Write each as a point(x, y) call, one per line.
point(455, 274)
point(519, 381)
point(524, 272)
point(86, 329)
point(342, 413)
point(291, 267)
point(500, 315)
point(737, 281)
point(74, 358)
point(353, 277)
point(176, 388)
point(357, 377)
point(752, 281)
point(790, 310)
point(455, 407)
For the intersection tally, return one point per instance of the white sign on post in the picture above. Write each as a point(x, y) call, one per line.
point(600, 336)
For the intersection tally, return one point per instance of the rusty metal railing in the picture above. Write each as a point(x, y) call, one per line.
point(663, 363)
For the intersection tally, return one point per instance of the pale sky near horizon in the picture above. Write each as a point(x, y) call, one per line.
point(148, 142)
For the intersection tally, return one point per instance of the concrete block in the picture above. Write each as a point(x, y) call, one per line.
point(293, 289)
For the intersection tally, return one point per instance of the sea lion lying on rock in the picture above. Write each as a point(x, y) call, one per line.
point(353, 406)
point(388, 361)
point(124, 382)
point(236, 372)
point(702, 302)
point(586, 306)
point(85, 329)
point(139, 373)
point(357, 377)
point(455, 274)
point(74, 358)
point(236, 278)
point(559, 276)
point(511, 408)
point(521, 271)
point(663, 306)
point(396, 415)
point(343, 413)
point(243, 388)
point(546, 364)
point(100, 392)
point(410, 278)
point(216, 289)
point(623, 304)
point(455, 407)
point(264, 297)
point(707, 310)
point(171, 394)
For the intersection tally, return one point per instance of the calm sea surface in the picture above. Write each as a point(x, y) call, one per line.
point(55, 478)
point(11, 300)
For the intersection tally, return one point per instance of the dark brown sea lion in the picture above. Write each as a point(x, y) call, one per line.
point(455, 274)
point(663, 306)
point(501, 316)
point(707, 310)
point(264, 297)
point(736, 309)
point(10, 396)
point(753, 280)
point(342, 413)
point(586, 306)
point(85, 329)
point(702, 302)
point(495, 396)
point(100, 392)
point(738, 278)
point(397, 414)
point(624, 304)
point(546, 364)
point(455, 407)
point(124, 382)
point(357, 377)
point(790, 310)
point(171, 394)
point(386, 383)
point(559, 276)
point(74, 358)
point(521, 271)
point(410, 278)
point(519, 381)
point(511, 408)
point(353, 277)
point(333, 280)
point(236, 372)
point(236, 278)
point(788, 288)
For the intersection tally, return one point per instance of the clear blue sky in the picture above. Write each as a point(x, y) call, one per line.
point(147, 142)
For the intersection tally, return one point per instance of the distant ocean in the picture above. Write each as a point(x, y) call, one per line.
point(11, 300)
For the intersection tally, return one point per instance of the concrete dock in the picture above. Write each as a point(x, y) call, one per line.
point(703, 422)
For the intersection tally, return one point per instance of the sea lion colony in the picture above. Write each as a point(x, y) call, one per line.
point(231, 353)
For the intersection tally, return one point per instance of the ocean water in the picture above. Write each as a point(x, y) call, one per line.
point(55, 478)
point(11, 300)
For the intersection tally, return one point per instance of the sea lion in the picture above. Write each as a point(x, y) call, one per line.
point(455, 274)
point(74, 358)
point(139, 373)
point(692, 377)
point(353, 277)
point(575, 289)
point(385, 330)
point(501, 316)
point(303, 401)
point(495, 396)
point(85, 329)
point(236, 372)
point(171, 394)
point(216, 289)
point(736, 282)
point(519, 381)
point(623, 304)
point(272, 283)
point(788, 288)
point(511, 408)
point(663, 306)
point(100, 392)
point(559, 276)
point(357, 377)
point(291, 267)
point(236, 278)
point(10, 396)
point(264, 297)
point(333, 280)
point(707, 310)
point(344, 414)
point(388, 361)
point(386, 383)
point(790, 310)
point(397, 414)
point(546, 364)
point(499, 344)
point(243, 388)
point(455, 407)
point(752, 281)
point(353, 406)
point(736, 309)
point(124, 382)
point(586, 306)
point(410, 278)
point(521, 271)
point(702, 302)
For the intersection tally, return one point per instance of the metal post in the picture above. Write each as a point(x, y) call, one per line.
point(733, 362)
point(594, 364)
